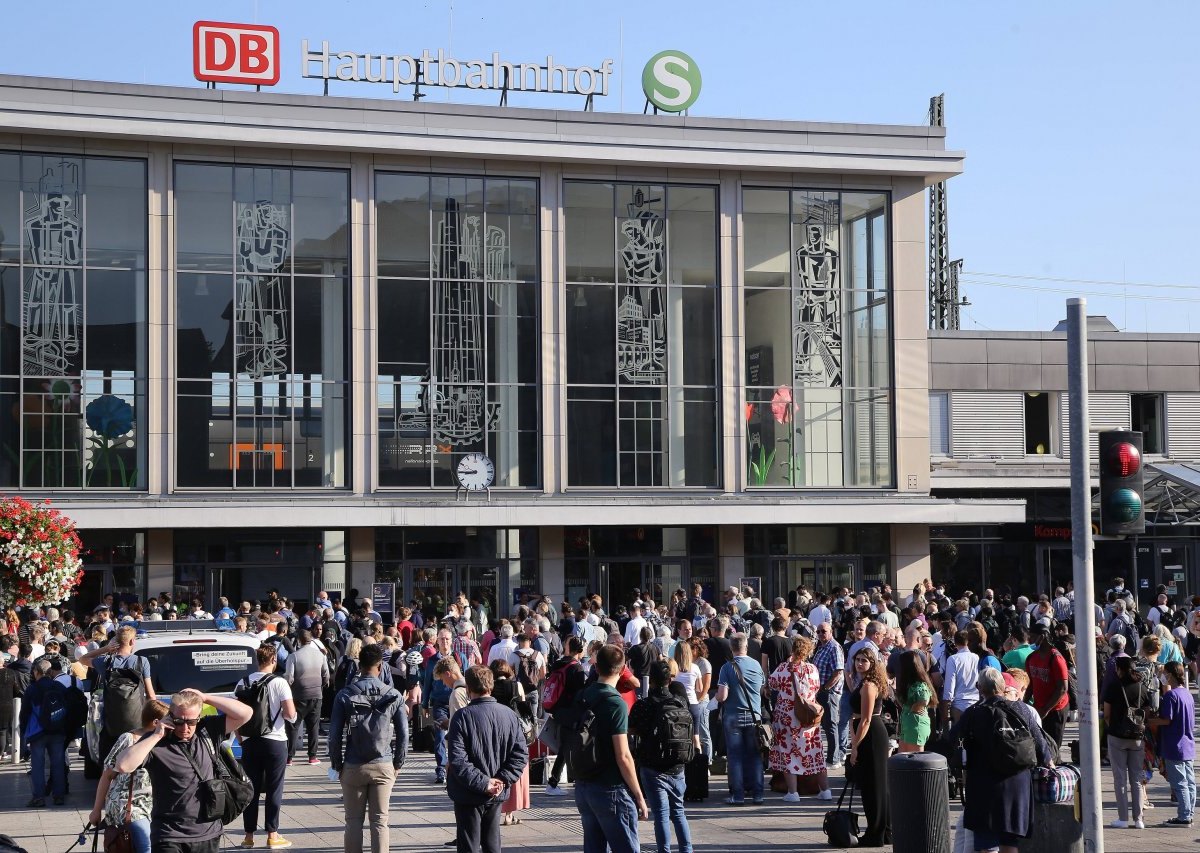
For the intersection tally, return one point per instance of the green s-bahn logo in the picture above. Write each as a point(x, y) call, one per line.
point(671, 81)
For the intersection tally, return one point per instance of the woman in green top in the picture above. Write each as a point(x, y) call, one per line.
point(917, 700)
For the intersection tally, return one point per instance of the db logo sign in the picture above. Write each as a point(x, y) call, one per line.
point(235, 53)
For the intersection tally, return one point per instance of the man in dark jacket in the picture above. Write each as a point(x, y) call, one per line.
point(47, 747)
point(487, 754)
point(364, 759)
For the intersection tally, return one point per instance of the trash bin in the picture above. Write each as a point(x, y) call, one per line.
point(920, 810)
point(1053, 830)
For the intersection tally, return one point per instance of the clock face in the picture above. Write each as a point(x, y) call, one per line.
point(475, 472)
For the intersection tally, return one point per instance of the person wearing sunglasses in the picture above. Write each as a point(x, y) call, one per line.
point(177, 760)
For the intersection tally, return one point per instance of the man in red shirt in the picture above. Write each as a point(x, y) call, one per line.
point(1047, 670)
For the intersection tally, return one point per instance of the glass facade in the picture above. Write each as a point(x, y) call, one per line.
point(641, 333)
point(73, 236)
point(458, 335)
point(818, 340)
point(261, 326)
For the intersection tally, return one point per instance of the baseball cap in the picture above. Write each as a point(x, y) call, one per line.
point(1009, 681)
point(100, 608)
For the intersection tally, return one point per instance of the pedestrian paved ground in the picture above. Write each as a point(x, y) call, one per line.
point(421, 818)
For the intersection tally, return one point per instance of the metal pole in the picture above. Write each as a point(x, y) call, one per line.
point(1091, 804)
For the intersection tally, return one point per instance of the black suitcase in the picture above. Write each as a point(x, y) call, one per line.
point(422, 732)
point(695, 777)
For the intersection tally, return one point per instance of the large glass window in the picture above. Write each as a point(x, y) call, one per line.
point(818, 341)
point(641, 335)
point(72, 322)
point(458, 333)
point(261, 326)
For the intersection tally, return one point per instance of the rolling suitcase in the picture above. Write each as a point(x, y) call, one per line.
point(422, 732)
point(695, 777)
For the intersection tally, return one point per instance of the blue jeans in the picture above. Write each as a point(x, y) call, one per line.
point(50, 748)
point(609, 818)
point(439, 737)
point(1182, 777)
point(664, 796)
point(831, 726)
point(140, 830)
point(700, 721)
point(845, 712)
point(745, 761)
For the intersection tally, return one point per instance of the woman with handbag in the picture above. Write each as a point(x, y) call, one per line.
point(1125, 712)
point(509, 692)
point(869, 746)
point(124, 800)
point(796, 749)
point(917, 699)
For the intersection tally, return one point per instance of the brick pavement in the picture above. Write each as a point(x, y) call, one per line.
point(421, 820)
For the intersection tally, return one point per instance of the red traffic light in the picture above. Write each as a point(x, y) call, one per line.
point(1124, 459)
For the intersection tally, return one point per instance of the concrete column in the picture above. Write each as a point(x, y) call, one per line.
point(731, 555)
point(360, 559)
point(910, 555)
point(731, 371)
point(553, 338)
point(363, 323)
point(159, 336)
point(160, 562)
point(553, 565)
point(911, 349)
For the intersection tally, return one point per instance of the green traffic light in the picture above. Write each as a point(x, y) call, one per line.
point(1125, 505)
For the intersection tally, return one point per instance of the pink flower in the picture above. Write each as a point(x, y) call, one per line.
point(782, 405)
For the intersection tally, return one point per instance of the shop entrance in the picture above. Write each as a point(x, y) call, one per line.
point(655, 578)
point(1174, 560)
point(816, 574)
point(240, 582)
point(433, 585)
point(1055, 568)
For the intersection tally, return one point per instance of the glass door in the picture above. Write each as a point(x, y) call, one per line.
point(481, 583)
point(429, 587)
point(790, 573)
point(91, 590)
point(816, 574)
point(659, 580)
point(1173, 571)
point(839, 571)
point(1055, 569)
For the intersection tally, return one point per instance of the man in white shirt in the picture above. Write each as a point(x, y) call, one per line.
point(1155, 614)
point(504, 648)
point(633, 628)
point(820, 614)
point(959, 691)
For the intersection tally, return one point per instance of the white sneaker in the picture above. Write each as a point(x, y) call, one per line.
point(793, 797)
point(825, 795)
point(834, 766)
point(555, 791)
point(1119, 824)
point(1138, 824)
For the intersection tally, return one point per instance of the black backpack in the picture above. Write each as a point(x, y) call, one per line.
point(257, 696)
point(1131, 724)
point(124, 692)
point(77, 707)
point(345, 674)
point(580, 740)
point(52, 710)
point(369, 724)
point(669, 742)
point(527, 671)
point(1012, 747)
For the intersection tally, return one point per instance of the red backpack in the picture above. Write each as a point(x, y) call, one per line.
point(555, 687)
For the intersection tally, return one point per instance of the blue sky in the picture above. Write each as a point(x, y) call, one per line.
point(1079, 120)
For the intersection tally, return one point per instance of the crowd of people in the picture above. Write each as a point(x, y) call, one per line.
point(638, 704)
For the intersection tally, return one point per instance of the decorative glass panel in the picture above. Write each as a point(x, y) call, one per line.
point(269, 330)
point(73, 326)
point(641, 330)
point(458, 364)
point(817, 339)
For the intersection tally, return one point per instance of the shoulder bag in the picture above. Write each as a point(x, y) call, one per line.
point(762, 731)
point(229, 792)
point(841, 825)
point(119, 839)
point(808, 713)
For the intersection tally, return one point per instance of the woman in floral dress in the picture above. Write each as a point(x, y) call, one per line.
point(796, 751)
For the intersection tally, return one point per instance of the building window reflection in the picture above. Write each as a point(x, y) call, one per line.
point(72, 321)
point(261, 326)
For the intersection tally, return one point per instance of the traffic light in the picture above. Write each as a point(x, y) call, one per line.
point(1122, 510)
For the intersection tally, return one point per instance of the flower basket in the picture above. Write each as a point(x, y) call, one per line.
point(39, 555)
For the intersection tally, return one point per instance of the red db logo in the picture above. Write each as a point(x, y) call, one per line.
point(235, 53)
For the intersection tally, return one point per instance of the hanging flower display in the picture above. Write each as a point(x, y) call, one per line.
point(39, 555)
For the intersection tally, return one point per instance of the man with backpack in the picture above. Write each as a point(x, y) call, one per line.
point(121, 684)
point(366, 715)
point(44, 728)
point(667, 741)
point(488, 754)
point(1048, 677)
point(265, 743)
point(307, 671)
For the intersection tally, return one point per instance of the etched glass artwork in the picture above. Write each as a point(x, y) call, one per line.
point(818, 373)
point(641, 334)
point(458, 327)
point(72, 321)
point(50, 316)
point(261, 325)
